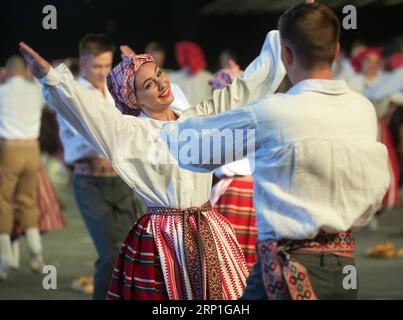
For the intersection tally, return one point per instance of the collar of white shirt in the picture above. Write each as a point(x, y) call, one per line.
point(334, 87)
point(83, 81)
point(17, 79)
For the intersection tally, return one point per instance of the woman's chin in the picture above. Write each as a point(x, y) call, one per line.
point(162, 108)
point(166, 103)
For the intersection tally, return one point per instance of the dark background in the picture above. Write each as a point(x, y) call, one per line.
point(137, 22)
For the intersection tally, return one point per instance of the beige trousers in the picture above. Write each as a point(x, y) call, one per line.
point(19, 168)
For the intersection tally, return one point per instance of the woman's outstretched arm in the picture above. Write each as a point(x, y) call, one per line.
point(98, 121)
point(262, 77)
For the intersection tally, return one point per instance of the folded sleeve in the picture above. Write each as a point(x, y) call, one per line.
point(236, 168)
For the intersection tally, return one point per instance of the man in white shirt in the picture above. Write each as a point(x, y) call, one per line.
point(104, 200)
point(192, 78)
point(319, 171)
point(21, 105)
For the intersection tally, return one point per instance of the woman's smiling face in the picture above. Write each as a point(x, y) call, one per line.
point(153, 90)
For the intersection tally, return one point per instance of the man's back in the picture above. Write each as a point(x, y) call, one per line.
point(319, 165)
point(20, 109)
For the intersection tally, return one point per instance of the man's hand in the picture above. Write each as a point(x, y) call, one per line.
point(39, 67)
point(126, 51)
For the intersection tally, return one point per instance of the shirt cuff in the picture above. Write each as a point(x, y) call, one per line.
point(54, 75)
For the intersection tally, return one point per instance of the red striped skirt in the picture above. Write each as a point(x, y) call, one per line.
point(50, 214)
point(159, 259)
point(391, 198)
point(236, 204)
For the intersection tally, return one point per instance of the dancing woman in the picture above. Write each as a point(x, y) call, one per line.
point(181, 249)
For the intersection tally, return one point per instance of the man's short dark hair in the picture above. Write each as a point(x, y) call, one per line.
point(312, 31)
point(96, 44)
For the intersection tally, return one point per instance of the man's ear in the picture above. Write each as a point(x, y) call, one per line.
point(337, 49)
point(287, 55)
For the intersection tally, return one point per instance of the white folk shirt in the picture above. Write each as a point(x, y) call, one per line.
point(196, 87)
point(389, 85)
point(130, 142)
point(237, 168)
point(21, 106)
point(318, 165)
point(226, 173)
point(76, 147)
point(388, 88)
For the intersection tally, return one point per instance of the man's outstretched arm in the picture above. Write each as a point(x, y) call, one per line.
point(203, 144)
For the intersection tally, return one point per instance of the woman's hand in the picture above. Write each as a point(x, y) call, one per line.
point(39, 67)
point(234, 68)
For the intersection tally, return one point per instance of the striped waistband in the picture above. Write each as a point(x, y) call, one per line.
point(341, 243)
point(179, 211)
point(286, 278)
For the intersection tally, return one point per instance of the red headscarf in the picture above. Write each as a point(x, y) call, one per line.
point(120, 82)
point(358, 60)
point(190, 55)
point(395, 61)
